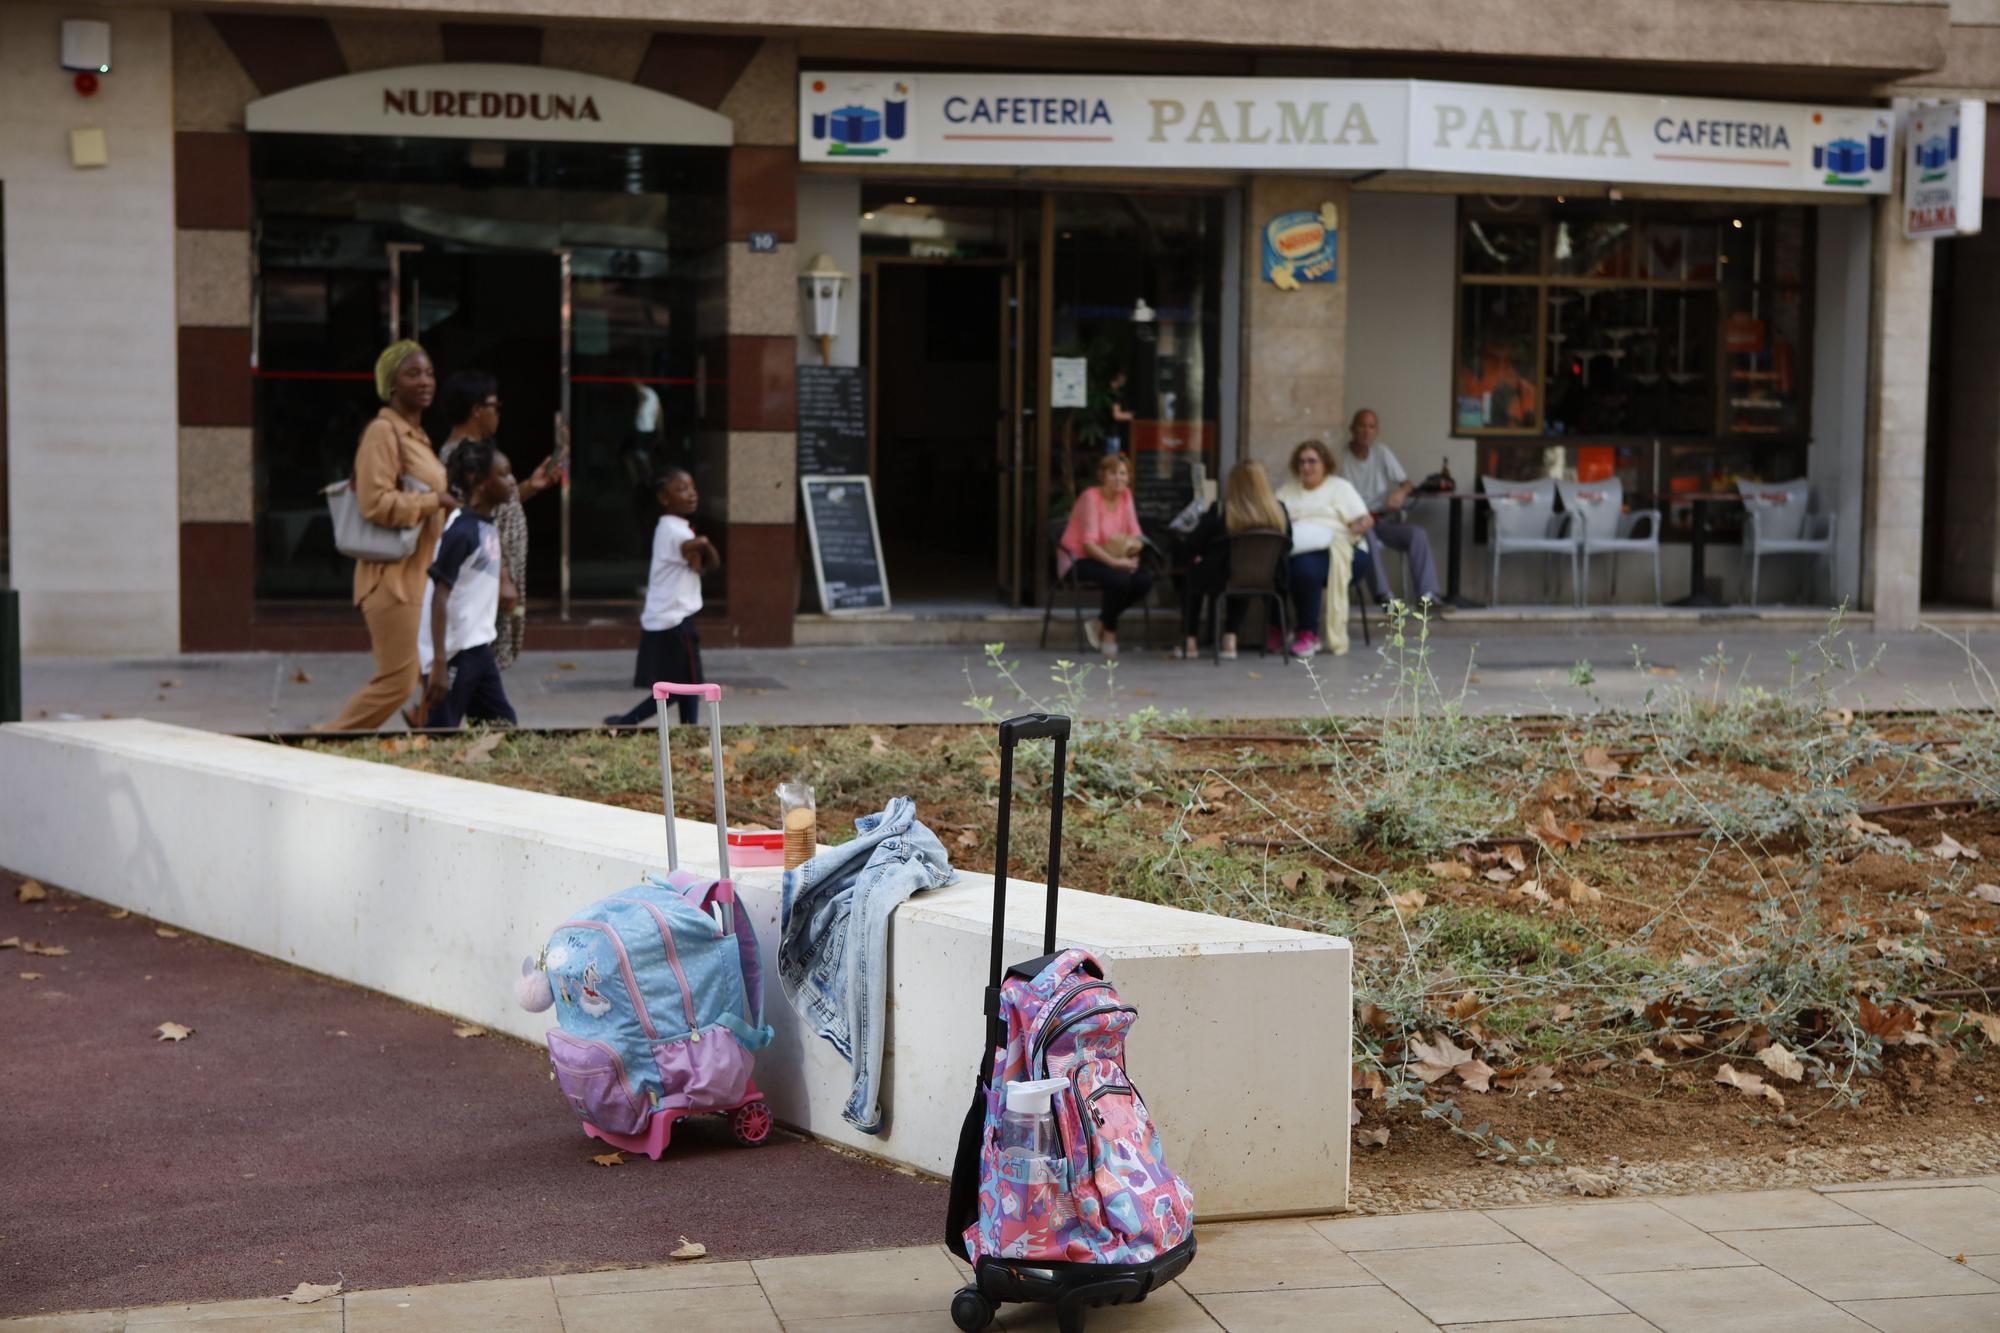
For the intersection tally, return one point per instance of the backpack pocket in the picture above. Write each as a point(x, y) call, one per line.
point(1142, 1201)
point(592, 1079)
point(705, 1075)
point(1025, 1208)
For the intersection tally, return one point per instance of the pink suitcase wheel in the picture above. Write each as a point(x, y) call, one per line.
point(751, 1123)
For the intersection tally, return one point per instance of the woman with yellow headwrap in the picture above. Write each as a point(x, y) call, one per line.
point(391, 596)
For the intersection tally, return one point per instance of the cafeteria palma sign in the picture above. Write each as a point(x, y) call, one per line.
point(479, 101)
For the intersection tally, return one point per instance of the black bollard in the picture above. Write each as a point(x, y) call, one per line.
point(10, 655)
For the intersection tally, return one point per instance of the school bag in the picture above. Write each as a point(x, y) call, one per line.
point(1105, 1221)
point(659, 996)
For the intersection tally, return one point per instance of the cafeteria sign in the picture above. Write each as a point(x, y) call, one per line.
point(1302, 247)
point(1944, 159)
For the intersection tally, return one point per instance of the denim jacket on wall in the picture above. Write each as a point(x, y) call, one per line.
point(833, 957)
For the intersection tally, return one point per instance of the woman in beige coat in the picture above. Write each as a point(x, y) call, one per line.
point(391, 596)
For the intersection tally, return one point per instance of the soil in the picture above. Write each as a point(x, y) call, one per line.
point(1255, 805)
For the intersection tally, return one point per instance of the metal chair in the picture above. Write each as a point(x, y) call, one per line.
point(1777, 522)
point(1067, 580)
point(1607, 529)
point(1255, 556)
point(1525, 522)
point(1357, 590)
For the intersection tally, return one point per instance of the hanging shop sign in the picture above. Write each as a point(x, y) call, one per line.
point(1302, 247)
point(1944, 169)
point(475, 101)
point(1342, 125)
point(1033, 119)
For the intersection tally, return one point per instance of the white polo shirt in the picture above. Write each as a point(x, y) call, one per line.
point(1374, 476)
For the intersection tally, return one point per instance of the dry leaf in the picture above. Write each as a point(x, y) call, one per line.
point(1371, 1082)
point(1781, 1062)
point(1652, 1057)
point(1895, 1026)
point(1553, 833)
point(1408, 901)
point(170, 684)
point(120, 914)
point(166, 932)
point(302, 677)
point(481, 750)
point(1450, 869)
point(11, 942)
point(1437, 1057)
point(744, 746)
point(1537, 1078)
point(1465, 1006)
point(1579, 892)
point(609, 1159)
point(1211, 841)
point(1597, 762)
point(688, 1249)
point(1856, 824)
point(1591, 1184)
point(45, 950)
point(31, 891)
point(468, 1030)
point(1476, 1075)
point(1353, 1115)
point(31, 976)
point(1988, 1023)
point(1950, 849)
point(1987, 893)
point(1373, 1017)
point(174, 1032)
point(308, 1292)
point(1377, 1137)
point(1750, 1085)
point(1500, 875)
point(1533, 889)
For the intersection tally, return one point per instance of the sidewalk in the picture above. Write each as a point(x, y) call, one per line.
point(1505, 669)
point(1897, 1257)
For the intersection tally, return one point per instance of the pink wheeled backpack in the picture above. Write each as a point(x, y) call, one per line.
point(1099, 1219)
point(659, 993)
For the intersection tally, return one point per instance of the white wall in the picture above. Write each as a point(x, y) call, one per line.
point(1837, 462)
point(92, 497)
point(433, 888)
point(830, 224)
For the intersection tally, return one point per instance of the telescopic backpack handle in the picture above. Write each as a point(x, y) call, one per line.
point(1027, 727)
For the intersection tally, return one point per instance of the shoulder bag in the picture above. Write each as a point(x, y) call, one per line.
point(357, 538)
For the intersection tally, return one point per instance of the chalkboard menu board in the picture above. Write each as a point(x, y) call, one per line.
point(833, 422)
point(846, 547)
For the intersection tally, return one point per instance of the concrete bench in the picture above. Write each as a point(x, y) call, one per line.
point(432, 889)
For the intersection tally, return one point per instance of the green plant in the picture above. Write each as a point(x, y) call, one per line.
point(1112, 753)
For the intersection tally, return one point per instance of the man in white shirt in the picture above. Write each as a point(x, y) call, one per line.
point(1372, 469)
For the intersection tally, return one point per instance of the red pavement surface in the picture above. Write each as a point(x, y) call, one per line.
point(310, 1130)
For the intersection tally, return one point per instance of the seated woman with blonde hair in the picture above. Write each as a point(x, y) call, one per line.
point(1102, 543)
point(1247, 505)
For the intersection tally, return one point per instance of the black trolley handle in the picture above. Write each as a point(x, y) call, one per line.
point(1027, 727)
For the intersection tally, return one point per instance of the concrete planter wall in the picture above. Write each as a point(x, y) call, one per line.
point(432, 889)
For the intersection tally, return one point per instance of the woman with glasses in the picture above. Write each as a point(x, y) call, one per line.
point(472, 404)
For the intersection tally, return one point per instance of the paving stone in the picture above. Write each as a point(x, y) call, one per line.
point(1739, 1300)
point(1857, 1263)
point(1347, 1310)
point(1763, 1210)
point(688, 1310)
point(1407, 1231)
point(1950, 1221)
point(1988, 1264)
point(1873, 1186)
point(1583, 1323)
point(824, 1286)
point(98, 1321)
point(1930, 1314)
point(517, 1305)
point(1592, 1238)
point(1168, 1310)
point(1268, 1256)
point(267, 1308)
point(317, 1320)
point(656, 1277)
point(1462, 1284)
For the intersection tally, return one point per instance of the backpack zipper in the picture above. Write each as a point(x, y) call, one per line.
point(1047, 1039)
point(624, 968)
point(1060, 999)
point(673, 960)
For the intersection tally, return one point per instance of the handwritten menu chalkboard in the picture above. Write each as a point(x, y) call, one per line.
point(833, 422)
point(846, 547)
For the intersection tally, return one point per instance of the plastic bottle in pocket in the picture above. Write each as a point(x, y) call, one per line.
point(1028, 1124)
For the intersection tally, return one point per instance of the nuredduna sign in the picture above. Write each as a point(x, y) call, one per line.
point(1341, 125)
point(488, 102)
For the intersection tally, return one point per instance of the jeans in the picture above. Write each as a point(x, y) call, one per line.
point(1122, 588)
point(1414, 542)
point(833, 955)
point(473, 691)
point(1309, 572)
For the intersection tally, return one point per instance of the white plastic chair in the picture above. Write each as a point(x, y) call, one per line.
point(1525, 522)
point(1608, 530)
point(1776, 522)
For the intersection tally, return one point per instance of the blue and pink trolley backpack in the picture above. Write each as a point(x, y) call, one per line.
point(658, 993)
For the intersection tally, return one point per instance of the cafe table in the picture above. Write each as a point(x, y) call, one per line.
point(1698, 542)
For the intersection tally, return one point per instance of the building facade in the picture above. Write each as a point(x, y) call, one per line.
point(1661, 243)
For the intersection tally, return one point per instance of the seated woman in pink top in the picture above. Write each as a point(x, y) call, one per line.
point(1102, 543)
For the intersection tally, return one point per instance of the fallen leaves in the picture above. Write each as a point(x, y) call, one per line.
point(1456, 870)
point(11, 942)
point(1950, 849)
point(1987, 1023)
point(1986, 893)
point(30, 891)
point(174, 1032)
point(31, 976)
point(876, 745)
point(1528, 1082)
point(481, 750)
point(1552, 833)
point(1750, 1085)
point(1434, 1058)
point(166, 932)
point(300, 676)
point(45, 950)
point(1781, 1062)
point(1597, 762)
point(120, 914)
point(1590, 1184)
point(1378, 1137)
point(1476, 1075)
point(1410, 900)
point(609, 1159)
point(688, 1249)
point(1894, 1026)
point(306, 1293)
point(464, 1030)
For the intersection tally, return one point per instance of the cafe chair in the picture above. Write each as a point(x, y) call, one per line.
point(1525, 522)
point(1608, 530)
point(1776, 522)
point(1255, 557)
point(1066, 580)
point(1359, 593)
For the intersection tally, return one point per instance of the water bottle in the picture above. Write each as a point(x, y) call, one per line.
point(1028, 1124)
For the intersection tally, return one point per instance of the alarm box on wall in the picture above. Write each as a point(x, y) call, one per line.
point(86, 46)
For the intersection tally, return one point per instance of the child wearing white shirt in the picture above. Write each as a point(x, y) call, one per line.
point(669, 647)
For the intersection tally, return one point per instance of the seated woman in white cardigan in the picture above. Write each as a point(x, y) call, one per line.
point(1329, 520)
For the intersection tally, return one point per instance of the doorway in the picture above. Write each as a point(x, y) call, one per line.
point(942, 424)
